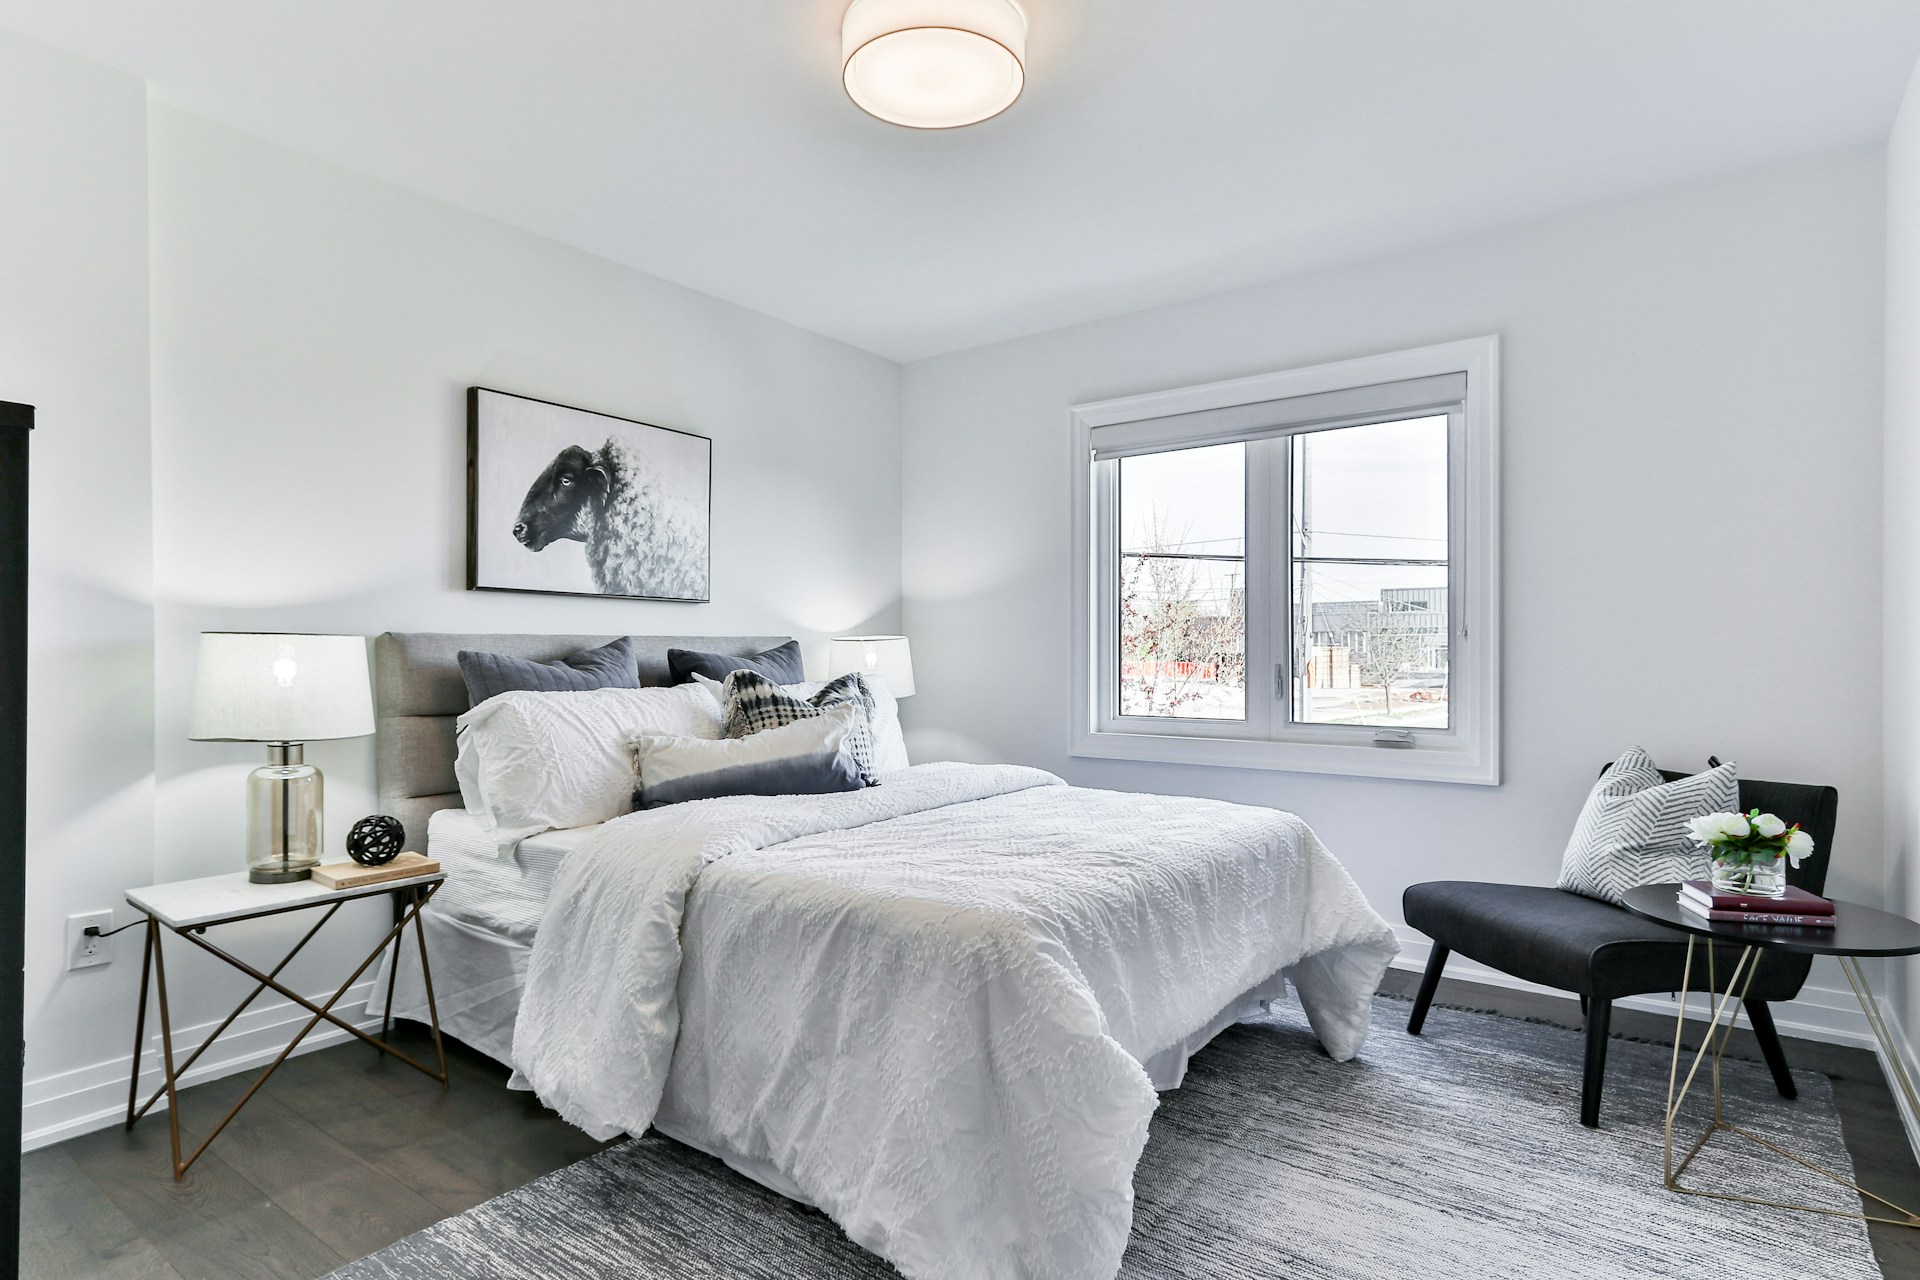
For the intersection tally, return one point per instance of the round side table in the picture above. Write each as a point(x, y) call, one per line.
point(1857, 931)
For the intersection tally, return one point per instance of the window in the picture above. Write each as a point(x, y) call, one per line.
point(1182, 591)
point(1295, 571)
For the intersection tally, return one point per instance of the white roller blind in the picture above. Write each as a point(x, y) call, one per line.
point(1268, 418)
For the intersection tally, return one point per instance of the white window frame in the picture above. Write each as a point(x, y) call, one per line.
point(1468, 751)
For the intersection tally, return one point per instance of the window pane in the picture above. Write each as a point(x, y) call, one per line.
point(1375, 492)
point(1182, 590)
point(1370, 575)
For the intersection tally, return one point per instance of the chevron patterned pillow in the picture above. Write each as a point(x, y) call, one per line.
point(1633, 830)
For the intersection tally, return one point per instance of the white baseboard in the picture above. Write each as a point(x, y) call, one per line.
point(1820, 1013)
point(66, 1105)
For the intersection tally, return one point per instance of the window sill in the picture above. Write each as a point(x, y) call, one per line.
point(1419, 764)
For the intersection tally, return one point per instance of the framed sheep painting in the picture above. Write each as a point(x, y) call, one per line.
point(580, 503)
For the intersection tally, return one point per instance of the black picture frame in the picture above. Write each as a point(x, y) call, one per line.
point(491, 566)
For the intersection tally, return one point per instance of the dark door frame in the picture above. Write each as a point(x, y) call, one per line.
point(16, 420)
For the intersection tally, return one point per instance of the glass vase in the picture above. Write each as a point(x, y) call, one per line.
point(1751, 875)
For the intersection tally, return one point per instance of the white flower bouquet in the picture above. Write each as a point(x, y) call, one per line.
point(1748, 851)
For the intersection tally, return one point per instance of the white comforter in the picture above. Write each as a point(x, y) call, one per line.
point(935, 994)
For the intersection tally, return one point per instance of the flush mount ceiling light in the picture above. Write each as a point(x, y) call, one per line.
point(933, 64)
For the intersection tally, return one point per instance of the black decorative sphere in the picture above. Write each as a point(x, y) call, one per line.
point(376, 841)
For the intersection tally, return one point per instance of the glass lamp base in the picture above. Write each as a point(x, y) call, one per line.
point(284, 802)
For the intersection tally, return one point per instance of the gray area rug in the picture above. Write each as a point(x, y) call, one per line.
point(1458, 1153)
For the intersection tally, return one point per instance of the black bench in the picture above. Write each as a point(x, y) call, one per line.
point(1602, 952)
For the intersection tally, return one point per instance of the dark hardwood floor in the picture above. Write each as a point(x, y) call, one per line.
point(346, 1151)
point(343, 1152)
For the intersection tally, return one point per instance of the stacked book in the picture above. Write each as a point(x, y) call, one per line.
point(1796, 907)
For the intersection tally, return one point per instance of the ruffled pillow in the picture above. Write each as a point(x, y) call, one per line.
point(533, 762)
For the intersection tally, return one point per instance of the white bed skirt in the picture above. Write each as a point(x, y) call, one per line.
point(478, 978)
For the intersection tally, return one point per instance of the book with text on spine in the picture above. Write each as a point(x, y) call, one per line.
point(1795, 902)
point(1809, 920)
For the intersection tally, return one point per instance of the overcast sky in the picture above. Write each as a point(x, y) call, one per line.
point(1377, 491)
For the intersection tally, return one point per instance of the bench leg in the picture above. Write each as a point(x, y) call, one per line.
point(1599, 1017)
point(1429, 982)
point(1761, 1019)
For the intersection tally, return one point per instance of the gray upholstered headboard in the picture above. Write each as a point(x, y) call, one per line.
point(418, 693)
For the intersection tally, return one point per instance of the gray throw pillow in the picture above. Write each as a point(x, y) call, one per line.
point(1633, 830)
point(780, 664)
point(611, 666)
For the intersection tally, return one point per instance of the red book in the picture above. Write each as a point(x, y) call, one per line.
point(1810, 920)
point(1795, 902)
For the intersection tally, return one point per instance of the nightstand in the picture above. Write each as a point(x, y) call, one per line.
point(188, 908)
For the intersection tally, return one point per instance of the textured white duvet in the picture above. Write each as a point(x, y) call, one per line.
point(924, 1005)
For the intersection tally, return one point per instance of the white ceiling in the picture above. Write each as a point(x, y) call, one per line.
point(1164, 149)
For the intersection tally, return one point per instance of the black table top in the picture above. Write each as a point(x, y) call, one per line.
point(1858, 930)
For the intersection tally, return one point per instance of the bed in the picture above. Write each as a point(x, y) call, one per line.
point(939, 1009)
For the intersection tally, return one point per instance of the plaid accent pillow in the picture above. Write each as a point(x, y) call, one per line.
point(751, 703)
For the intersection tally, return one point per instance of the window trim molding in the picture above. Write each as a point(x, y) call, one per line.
point(1471, 756)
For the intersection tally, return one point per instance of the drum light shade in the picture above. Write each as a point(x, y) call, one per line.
point(283, 690)
point(889, 657)
point(260, 687)
point(933, 64)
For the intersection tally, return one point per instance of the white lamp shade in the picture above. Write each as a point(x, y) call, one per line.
point(933, 64)
point(254, 686)
point(888, 657)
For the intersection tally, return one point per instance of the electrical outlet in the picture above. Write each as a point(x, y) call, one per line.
point(83, 951)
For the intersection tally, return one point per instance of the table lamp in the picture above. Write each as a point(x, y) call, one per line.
point(283, 690)
point(888, 657)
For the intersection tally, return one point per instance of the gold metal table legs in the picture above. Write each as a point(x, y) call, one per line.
point(1713, 1047)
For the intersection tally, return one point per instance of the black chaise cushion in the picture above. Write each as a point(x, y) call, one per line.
point(1562, 940)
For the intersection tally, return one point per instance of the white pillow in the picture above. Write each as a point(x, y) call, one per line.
point(889, 743)
point(532, 762)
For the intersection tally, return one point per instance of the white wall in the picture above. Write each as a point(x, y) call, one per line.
point(73, 342)
point(1691, 502)
point(312, 335)
point(1903, 535)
